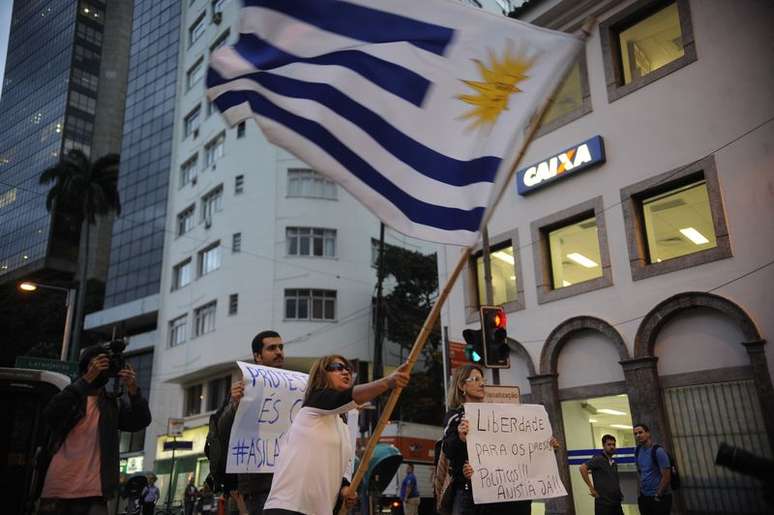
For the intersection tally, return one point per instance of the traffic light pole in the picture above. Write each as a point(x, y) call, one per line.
point(488, 285)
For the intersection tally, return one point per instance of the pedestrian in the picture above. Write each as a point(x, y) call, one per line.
point(251, 489)
point(310, 477)
point(409, 493)
point(606, 489)
point(468, 386)
point(150, 496)
point(83, 472)
point(189, 496)
point(655, 474)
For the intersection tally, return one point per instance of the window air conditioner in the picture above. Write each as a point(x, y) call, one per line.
point(213, 166)
point(193, 180)
point(195, 133)
point(207, 223)
point(217, 17)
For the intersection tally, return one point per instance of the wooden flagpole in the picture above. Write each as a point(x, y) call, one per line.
point(432, 317)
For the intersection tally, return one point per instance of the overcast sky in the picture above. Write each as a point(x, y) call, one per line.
point(5, 26)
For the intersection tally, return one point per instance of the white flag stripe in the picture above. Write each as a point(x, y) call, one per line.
point(406, 178)
point(382, 208)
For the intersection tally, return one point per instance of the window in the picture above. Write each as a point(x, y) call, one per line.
point(185, 220)
point(85, 79)
point(644, 42)
point(214, 149)
point(310, 304)
point(571, 101)
point(209, 108)
point(217, 5)
point(233, 303)
point(502, 265)
point(181, 274)
point(571, 254)
point(217, 392)
point(221, 41)
point(308, 183)
point(574, 251)
point(193, 400)
point(177, 328)
point(196, 30)
point(195, 73)
point(209, 259)
point(204, 318)
point(236, 242)
point(89, 34)
point(212, 203)
point(678, 222)
point(675, 220)
point(239, 184)
point(191, 122)
point(241, 128)
point(188, 170)
point(84, 103)
point(308, 241)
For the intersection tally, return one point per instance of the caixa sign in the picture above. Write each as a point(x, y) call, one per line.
point(569, 162)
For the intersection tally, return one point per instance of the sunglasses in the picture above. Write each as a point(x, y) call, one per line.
point(338, 367)
point(474, 379)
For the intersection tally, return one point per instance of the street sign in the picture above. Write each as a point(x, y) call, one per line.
point(457, 355)
point(185, 445)
point(68, 368)
point(502, 394)
point(175, 426)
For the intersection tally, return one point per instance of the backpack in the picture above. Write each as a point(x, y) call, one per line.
point(674, 481)
point(443, 492)
point(216, 450)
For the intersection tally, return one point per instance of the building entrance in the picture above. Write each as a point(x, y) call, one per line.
point(586, 421)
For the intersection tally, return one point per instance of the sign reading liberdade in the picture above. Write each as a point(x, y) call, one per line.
point(510, 451)
point(272, 398)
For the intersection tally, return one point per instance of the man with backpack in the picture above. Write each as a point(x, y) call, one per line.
point(655, 467)
point(268, 350)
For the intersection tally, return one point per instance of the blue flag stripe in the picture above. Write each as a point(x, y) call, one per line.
point(391, 77)
point(362, 23)
point(421, 158)
point(440, 217)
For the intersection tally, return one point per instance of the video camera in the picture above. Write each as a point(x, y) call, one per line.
point(115, 353)
point(748, 464)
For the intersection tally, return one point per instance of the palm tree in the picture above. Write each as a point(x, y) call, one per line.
point(86, 190)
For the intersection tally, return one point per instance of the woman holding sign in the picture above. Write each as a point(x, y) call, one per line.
point(316, 457)
point(468, 386)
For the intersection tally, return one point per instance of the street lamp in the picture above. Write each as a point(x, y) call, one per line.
point(29, 286)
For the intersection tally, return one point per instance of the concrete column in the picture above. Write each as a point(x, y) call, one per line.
point(545, 391)
point(645, 400)
point(762, 380)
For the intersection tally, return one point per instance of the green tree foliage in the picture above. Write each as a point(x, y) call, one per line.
point(414, 277)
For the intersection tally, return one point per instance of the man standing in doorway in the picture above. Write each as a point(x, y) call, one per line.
point(268, 350)
point(606, 489)
point(655, 471)
point(409, 494)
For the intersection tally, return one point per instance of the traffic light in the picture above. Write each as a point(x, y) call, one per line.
point(474, 351)
point(494, 335)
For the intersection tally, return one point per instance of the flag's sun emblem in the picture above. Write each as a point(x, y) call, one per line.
point(499, 80)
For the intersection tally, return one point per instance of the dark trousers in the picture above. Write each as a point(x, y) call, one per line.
point(81, 506)
point(649, 506)
point(463, 505)
point(148, 508)
point(607, 509)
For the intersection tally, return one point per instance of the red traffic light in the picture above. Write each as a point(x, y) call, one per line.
point(500, 320)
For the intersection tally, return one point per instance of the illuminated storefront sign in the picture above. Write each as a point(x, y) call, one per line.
point(569, 162)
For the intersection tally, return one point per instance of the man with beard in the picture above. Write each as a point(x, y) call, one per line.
point(85, 422)
point(268, 350)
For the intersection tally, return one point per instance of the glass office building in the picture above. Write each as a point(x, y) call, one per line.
point(47, 107)
point(138, 235)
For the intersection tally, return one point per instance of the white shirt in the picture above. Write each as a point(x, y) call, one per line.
point(316, 456)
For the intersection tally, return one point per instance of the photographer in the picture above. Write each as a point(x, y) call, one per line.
point(83, 449)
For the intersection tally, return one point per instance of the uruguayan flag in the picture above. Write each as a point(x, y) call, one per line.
point(414, 106)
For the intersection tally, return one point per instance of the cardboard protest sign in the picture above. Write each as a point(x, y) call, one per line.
point(509, 449)
point(272, 398)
